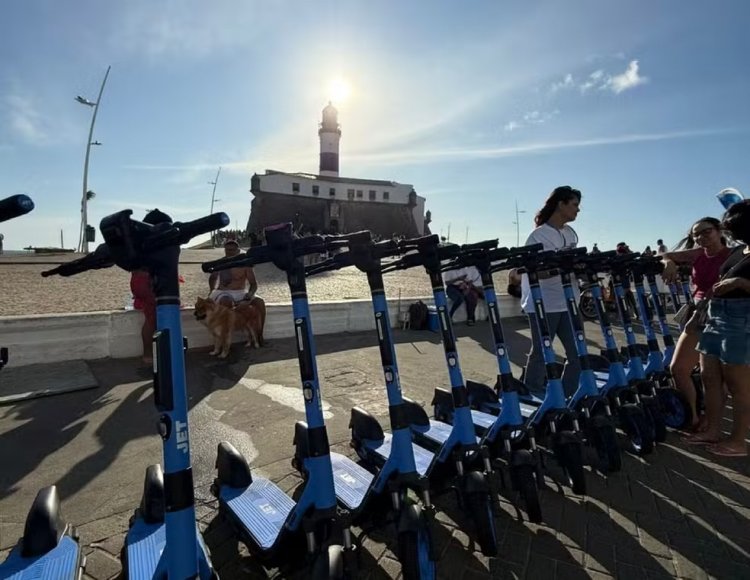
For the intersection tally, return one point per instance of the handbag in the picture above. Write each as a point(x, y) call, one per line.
point(684, 314)
point(699, 318)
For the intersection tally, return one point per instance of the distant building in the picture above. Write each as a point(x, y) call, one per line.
point(333, 204)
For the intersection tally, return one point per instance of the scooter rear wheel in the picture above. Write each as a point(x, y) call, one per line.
point(633, 423)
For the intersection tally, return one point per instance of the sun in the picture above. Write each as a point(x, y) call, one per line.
point(339, 90)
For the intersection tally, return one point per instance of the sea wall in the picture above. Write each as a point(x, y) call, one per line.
point(117, 334)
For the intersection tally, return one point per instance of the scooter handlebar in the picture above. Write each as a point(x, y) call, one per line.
point(98, 259)
point(15, 206)
point(414, 243)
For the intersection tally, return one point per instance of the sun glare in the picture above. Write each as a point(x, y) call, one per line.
point(339, 90)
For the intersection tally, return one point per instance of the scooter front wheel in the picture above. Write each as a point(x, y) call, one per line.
point(570, 457)
point(633, 423)
point(479, 507)
point(414, 553)
point(675, 408)
point(329, 565)
point(604, 439)
point(655, 418)
point(524, 479)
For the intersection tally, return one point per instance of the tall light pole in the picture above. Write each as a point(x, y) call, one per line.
point(213, 199)
point(83, 244)
point(518, 224)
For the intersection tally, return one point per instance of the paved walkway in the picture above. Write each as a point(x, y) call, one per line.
point(676, 513)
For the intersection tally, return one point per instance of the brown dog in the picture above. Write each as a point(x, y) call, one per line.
point(222, 321)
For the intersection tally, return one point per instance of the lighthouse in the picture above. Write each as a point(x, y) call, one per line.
point(330, 135)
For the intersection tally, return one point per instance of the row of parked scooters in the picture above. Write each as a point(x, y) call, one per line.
point(480, 437)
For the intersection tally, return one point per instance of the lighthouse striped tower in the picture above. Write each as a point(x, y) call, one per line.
point(330, 135)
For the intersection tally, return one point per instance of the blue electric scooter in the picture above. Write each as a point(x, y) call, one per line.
point(49, 548)
point(454, 445)
point(609, 369)
point(497, 413)
point(163, 540)
point(621, 267)
point(264, 515)
point(399, 464)
point(675, 409)
point(589, 401)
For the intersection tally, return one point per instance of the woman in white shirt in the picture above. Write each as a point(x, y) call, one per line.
point(552, 231)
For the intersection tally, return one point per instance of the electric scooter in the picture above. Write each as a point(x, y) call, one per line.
point(608, 368)
point(454, 445)
point(265, 517)
point(399, 464)
point(497, 413)
point(163, 540)
point(49, 548)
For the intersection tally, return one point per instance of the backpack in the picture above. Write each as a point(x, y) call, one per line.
point(418, 315)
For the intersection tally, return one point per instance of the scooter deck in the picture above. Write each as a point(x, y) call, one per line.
point(351, 481)
point(62, 562)
point(437, 433)
point(422, 457)
point(261, 508)
point(145, 544)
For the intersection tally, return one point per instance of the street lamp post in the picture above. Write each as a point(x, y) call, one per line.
point(213, 199)
point(518, 226)
point(83, 244)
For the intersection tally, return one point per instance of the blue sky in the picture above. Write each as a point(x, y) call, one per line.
point(642, 105)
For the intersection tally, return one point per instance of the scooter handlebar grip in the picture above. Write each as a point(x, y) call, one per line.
point(386, 249)
point(431, 240)
point(15, 206)
point(253, 256)
point(99, 258)
point(204, 225)
point(484, 245)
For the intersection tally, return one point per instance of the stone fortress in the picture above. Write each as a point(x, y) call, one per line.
point(328, 203)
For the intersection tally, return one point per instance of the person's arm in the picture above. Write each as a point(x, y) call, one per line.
point(212, 280)
point(731, 284)
point(682, 256)
point(250, 275)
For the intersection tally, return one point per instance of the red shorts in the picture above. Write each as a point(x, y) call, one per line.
point(143, 294)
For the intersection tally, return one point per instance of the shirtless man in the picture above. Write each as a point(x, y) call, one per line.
point(234, 285)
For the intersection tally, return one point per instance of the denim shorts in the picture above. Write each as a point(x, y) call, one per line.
point(727, 332)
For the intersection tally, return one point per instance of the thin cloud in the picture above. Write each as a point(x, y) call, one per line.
point(566, 83)
point(594, 79)
point(25, 121)
point(188, 28)
point(630, 79)
point(416, 157)
point(530, 118)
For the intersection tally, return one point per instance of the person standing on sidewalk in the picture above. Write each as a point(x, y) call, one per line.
point(554, 233)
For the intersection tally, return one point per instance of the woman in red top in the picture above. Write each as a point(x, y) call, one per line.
point(706, 250)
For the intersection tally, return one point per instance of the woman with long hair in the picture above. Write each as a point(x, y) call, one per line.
point(724, 345)
point(554, 233)
point(705, 249)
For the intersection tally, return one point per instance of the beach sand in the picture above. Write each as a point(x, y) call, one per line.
point(23, 291)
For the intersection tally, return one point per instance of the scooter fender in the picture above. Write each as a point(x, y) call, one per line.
point(410, 518)
point(522, 457)
point(474, 482)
